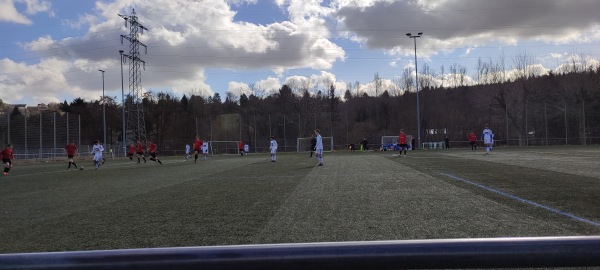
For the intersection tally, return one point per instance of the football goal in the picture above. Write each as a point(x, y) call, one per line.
point(303, 144)
point(223, 147)
point(390, 143)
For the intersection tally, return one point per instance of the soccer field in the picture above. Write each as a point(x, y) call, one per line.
point(359, 196)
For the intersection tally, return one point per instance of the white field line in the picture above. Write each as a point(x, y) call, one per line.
point(110, 166)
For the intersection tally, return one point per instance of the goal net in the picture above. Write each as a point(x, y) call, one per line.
point(390, 143)
point(223, 147)
point(303, 144)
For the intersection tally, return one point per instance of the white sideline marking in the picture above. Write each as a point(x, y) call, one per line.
point(126, 165)
point(508, 195)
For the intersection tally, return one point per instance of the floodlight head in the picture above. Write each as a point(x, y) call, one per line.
point(121, 51)
point(420, 33)
point(101, 70)
point(408, 34)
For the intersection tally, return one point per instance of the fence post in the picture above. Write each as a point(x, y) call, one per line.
point(79, 128)
point(546, 122)
point(26, 149)
point(67, 127)
point(8, 129)
point(506, 120)
point(583, 111)
point(41, 154)
point(566, 127)
point(54, 131)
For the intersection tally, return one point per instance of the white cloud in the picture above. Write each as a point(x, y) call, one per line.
point(370, 88)
point(577, 63)
point(195, 84)
point(240, 2)
point(42, 43)
point(557, 55)
point(315, 83)
point(38, 6)
point(83, 19)
point(449, 24)
point(184, 38)
point(279, 2)
point(267, 86)
point(9, 13)
point(44, 82)
point(237, 89)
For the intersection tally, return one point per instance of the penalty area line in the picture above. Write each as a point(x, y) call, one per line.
point(508, 195)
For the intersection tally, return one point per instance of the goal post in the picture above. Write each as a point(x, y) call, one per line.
point(223, 147)
point(390, 143)
point(303, 144)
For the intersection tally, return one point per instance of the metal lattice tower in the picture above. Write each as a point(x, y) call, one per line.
point(136, 126)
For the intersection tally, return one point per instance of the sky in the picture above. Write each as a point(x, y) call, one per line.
point(51, 51)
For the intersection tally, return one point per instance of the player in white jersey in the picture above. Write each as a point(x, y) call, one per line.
point(205, 149)
point(187, 151)
point(246, 149)
point(273, 148)
point(488, 138)
point(319, 147)
point(97, 150)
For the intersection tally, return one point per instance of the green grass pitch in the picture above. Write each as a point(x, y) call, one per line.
point(249, 200)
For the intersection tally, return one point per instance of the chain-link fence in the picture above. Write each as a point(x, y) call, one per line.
point(41, 135)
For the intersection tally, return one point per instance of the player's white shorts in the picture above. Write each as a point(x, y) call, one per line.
point(274, 151)
point(487, 142)
point(204, 150)
point(97, 157)
point(319, 151)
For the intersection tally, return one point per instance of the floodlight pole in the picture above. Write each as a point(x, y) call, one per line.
point(414, 37)
point(123, 106)
point(103, 107)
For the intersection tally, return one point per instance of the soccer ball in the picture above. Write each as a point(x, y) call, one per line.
point(81, 168)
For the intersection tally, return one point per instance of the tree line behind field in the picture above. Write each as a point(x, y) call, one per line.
point(563, 107)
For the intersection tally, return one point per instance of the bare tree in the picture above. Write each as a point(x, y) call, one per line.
point(378, 84)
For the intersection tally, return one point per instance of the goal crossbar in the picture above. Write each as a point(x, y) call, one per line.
point(223, 147)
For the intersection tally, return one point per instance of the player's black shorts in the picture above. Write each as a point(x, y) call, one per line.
point(6, 160)
point(140, 153)
point(130, 154)
point(197, 150)
point(402, 146)
point(472, 143)
point(153, 155)
point(70, 156)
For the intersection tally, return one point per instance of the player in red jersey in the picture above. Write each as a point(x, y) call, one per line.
point(402, 142)
point(152, 152)
point(131, 152)
point(197, 148)
point(7, 155)
point(241, 148)
point(140, 151)
point(472, 140)
point(71, 150)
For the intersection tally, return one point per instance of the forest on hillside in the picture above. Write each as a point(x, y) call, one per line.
point(523, 108)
